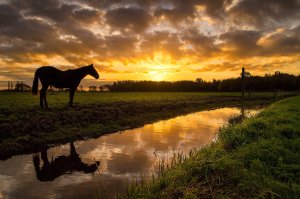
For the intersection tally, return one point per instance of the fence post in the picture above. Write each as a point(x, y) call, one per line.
point(243, 83)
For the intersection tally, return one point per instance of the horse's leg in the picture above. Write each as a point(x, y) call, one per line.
point(45, 91)
point(41, 98)
point(43, 95)
point(72, 92)
point(45, 99)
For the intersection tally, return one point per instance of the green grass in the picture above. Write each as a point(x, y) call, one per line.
point(259, 158)
point(25, 127)
point(24, 100)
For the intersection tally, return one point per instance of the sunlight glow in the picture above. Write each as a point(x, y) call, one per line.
point(156, 75)
point(159, 66)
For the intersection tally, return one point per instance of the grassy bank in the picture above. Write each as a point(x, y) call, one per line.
point(259, 158)
point(27, 128)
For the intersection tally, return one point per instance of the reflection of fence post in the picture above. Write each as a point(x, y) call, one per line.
point(243, 110)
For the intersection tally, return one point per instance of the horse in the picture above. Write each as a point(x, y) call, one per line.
point(51, 76)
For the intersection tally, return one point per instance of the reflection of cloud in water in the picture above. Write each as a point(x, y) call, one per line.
point(122, 163)
point(122, 156)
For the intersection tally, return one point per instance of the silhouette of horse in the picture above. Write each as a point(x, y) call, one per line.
point(51, 76)
point(61, 165)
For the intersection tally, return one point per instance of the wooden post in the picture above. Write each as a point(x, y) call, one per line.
point(243, 83)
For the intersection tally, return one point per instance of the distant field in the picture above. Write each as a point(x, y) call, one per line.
point(16, 100)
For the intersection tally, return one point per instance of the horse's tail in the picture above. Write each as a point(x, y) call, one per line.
point(35, 85)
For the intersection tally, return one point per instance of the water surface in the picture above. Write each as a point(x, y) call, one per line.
point(106, 164)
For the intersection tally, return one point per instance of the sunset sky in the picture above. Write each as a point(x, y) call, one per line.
point(150, 40)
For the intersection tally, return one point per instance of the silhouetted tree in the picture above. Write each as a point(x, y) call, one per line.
point(277, 81)
point(93, 88)
point(20, 86)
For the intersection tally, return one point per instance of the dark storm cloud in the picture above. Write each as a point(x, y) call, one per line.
point(34, 34)
point(161, 41)
point(135, 19)
point(254, 12)
point(29, 30)
point(9, 16)
point(202, 44)
point(184, 10)
point(215, 8)
point(108, 4)
point(241, 42)
point(64, 13)
point(260, 13)
point(50, 9)
point(282, 43)
point(15, 26)
point(86, 15)
point(120, 46)
point(65, 18)
point(177, 14)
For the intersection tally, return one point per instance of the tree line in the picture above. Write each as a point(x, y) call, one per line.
point(269, 82)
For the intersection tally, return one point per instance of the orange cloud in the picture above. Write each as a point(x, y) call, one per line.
point(152, 40)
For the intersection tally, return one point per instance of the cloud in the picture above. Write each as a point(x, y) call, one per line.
point(262, 13)
point(128, 33)
point(181, 12)
point(161, 41)
point(120, 46)
point(231, 66)
point(134, 19)
point(281, 42)
point(202, 45)
point(8, 15)
point(240, 42)
point(243, 43)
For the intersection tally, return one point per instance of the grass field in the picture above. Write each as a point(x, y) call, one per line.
point(259, 158)
point(16, 100)
point(25, 127)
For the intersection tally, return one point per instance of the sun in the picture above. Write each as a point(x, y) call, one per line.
point(159, 67)
point(156, 75)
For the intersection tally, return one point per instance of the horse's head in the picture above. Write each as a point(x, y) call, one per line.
point(93, 72)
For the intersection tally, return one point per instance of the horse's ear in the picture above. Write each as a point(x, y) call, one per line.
point(92, 65)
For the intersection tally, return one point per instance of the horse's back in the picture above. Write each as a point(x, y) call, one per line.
point(52, 76)
point(48, 69)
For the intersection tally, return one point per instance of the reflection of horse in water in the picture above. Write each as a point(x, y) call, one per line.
point(49, 75)
point(61, 165)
